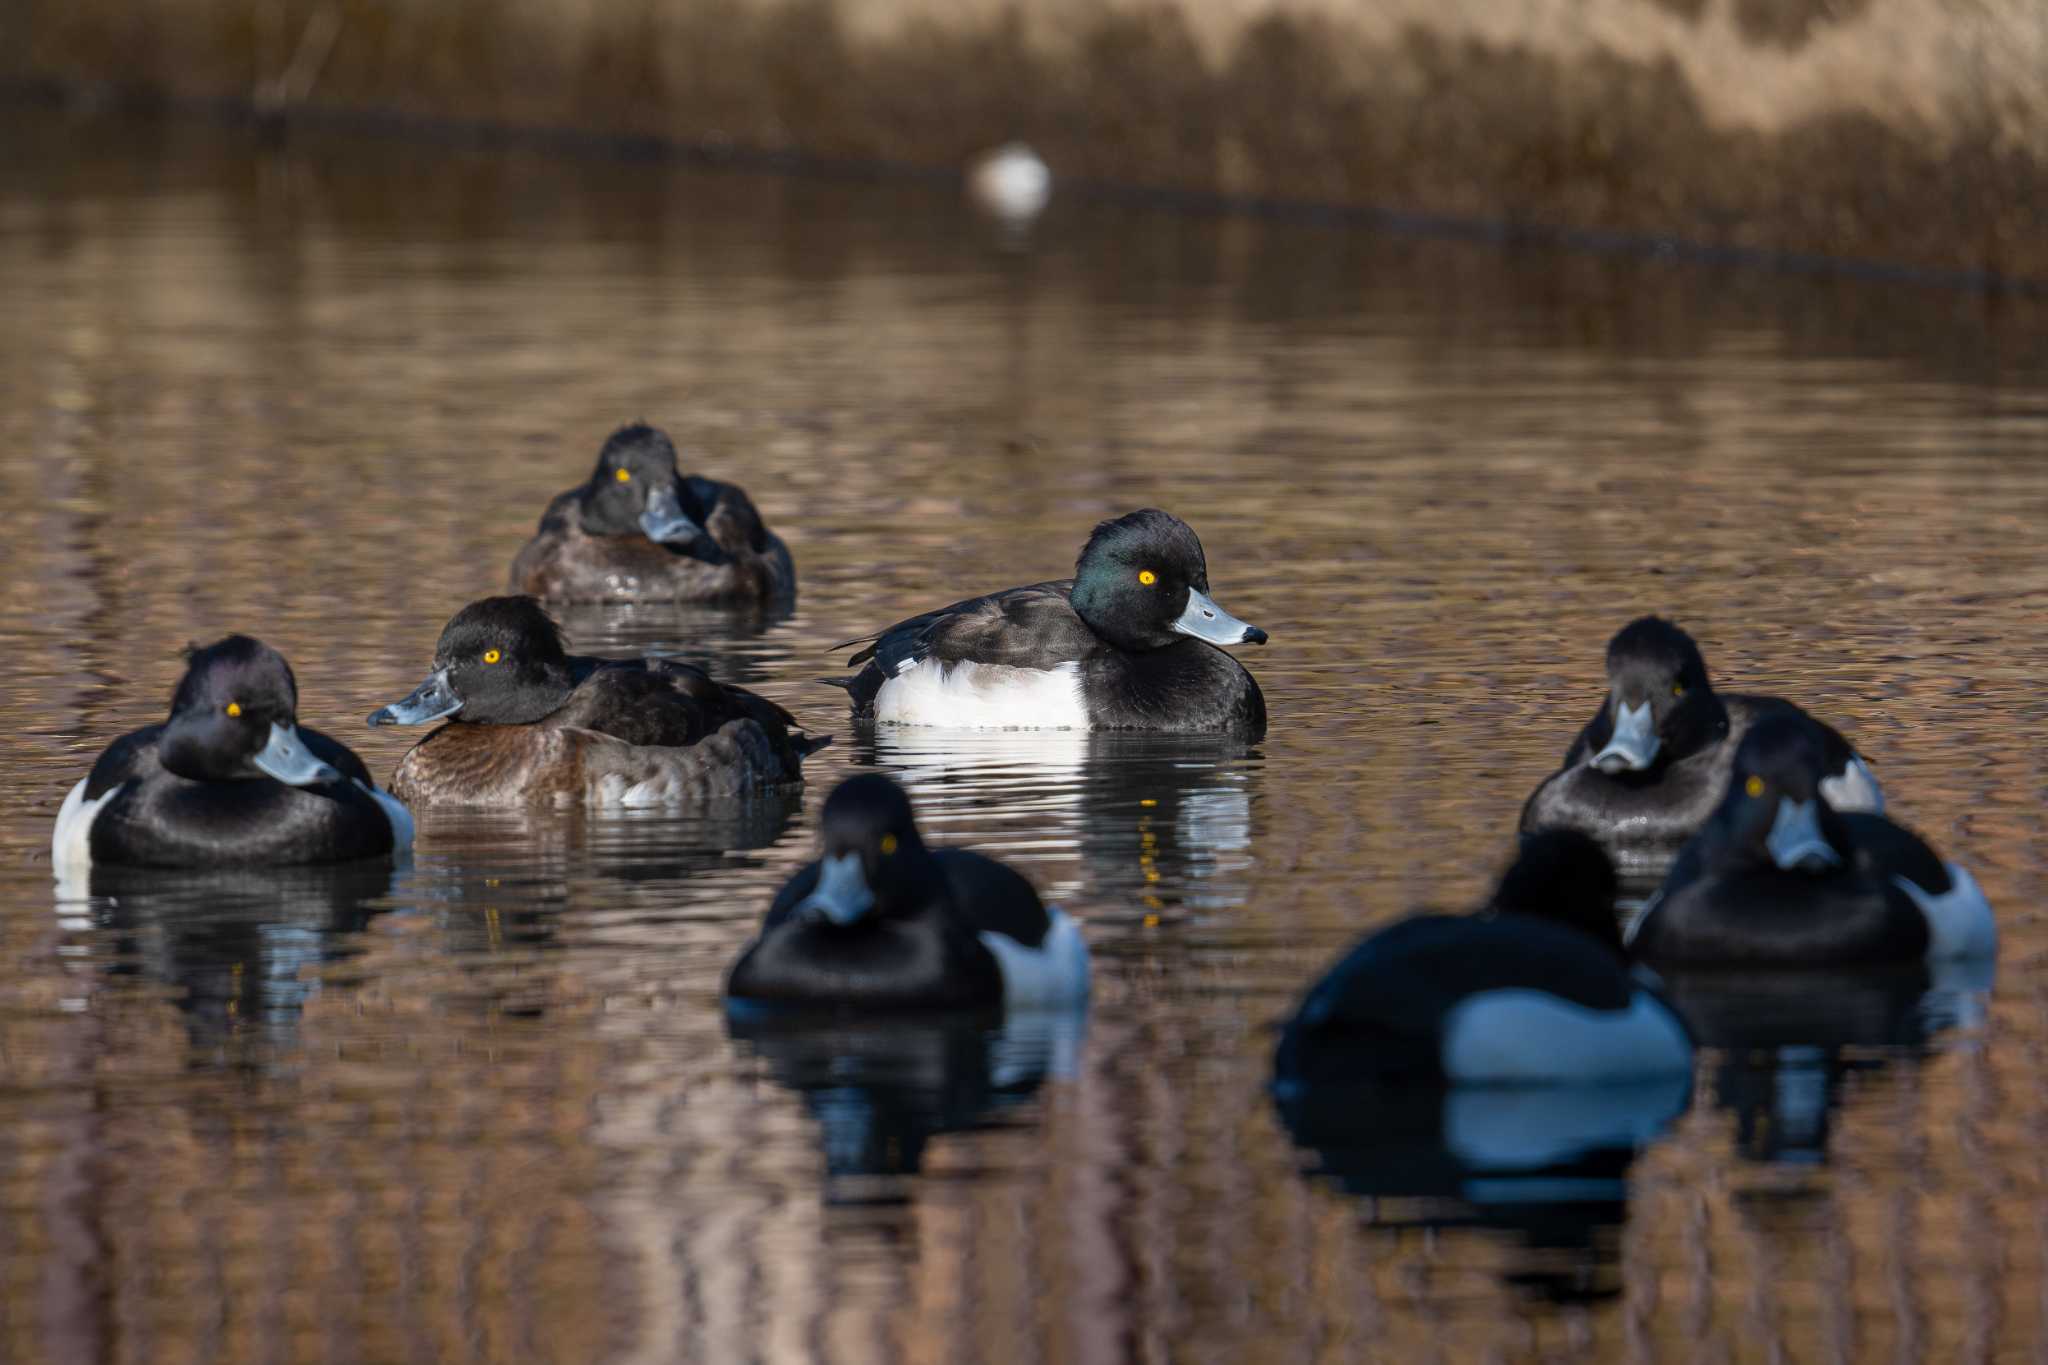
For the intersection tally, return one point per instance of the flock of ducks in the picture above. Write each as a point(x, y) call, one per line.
point(1762, 828)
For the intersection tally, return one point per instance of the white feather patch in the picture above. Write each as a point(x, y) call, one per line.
point(970, 696)
point(1051, 976)
point(71, 840)
point(1522, 1128)
point(1854, 788)
point(1522, 1035)
point(1959, 922)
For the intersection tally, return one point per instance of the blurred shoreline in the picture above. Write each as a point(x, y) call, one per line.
point(1907, 134)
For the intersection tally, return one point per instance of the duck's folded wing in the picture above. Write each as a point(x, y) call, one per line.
point(732, 520)
point(791, 896)
point(1030, 627)
point(332, 751)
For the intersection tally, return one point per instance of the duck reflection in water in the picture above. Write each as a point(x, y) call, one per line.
point(1788, 1040)
point(242, 948)
point(1545, 1166)
point(881, 1090)
point(1164, 824)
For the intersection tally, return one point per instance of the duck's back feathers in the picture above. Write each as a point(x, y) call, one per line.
point(1030, 627)
point(991, 898)
point(130, 811)
point(737, 559)
point(562, 765)
point(1390, 998)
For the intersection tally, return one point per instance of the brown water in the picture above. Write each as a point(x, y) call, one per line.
point(489, 1108)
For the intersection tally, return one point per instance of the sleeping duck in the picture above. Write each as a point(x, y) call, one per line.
point(1128, 643)
point(230, 779)
point(1654, 761)
point(638, 530)
point(1534, 988)
point(530, 724)
point(882, 922)
point(1777, 876)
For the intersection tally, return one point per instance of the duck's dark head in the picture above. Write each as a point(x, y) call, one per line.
point(1773, 809)
point(871, 858)
point(1142, 583)
point(1563, 876)
point(500, 661)
point(1660, 705)
point(235, 715)
point(636, 489)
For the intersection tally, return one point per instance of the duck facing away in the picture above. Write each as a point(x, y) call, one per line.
point(638, 530)
point(1779, 877)
point(882, 922)
point(1533, 988)
point(1128, 643)
point(230, 779)
point(1653, 762)
point(531, 724)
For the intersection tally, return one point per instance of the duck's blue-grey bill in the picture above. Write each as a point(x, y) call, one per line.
point(1795, 840)
point(285, 757)
point(842, 894)
point(1204, 620)
point(1635, 743)
point(664, 520)
point(430, 701)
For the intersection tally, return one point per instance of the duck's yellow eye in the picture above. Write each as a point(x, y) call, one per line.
point(234, 708)
point(492, 656)
point(624, 476)
point(888, 844)
point(1147, 577)
point(1678, 689)
point(1755, 787)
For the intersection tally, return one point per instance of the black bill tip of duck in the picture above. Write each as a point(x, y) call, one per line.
point(664, 521)
point(1204, 620)
point(842, 895)
point(1634, 743)
point(432, 700)
point(1795, 842)
point(286, 757)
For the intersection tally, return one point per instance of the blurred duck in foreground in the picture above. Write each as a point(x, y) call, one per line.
point(230, 779)
point(1533, 988)
point(1128, 643)
point(1654, 761)
point(638, 530)
point(881, 922)
point(1779, 876)
point(531, 724)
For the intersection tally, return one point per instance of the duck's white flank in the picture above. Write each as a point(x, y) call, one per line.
point(1855, 788)
point(71, 840)
point(1051, 976)
point(1959, 922)
point(1524, 1128)
point(969, 696)
point(1521, 1035)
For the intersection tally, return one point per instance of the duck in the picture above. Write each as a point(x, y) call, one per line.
point(229, 779)
point(1533, 988)
point(638, 530)
point(1653, 762)
point(528, 723)
point(1779, 877)
point(1130, 642)
point(882, 922)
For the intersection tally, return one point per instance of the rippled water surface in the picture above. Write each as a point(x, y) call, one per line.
point(489, 1108)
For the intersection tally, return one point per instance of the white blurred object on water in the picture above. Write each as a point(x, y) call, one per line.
point(1011, 182)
